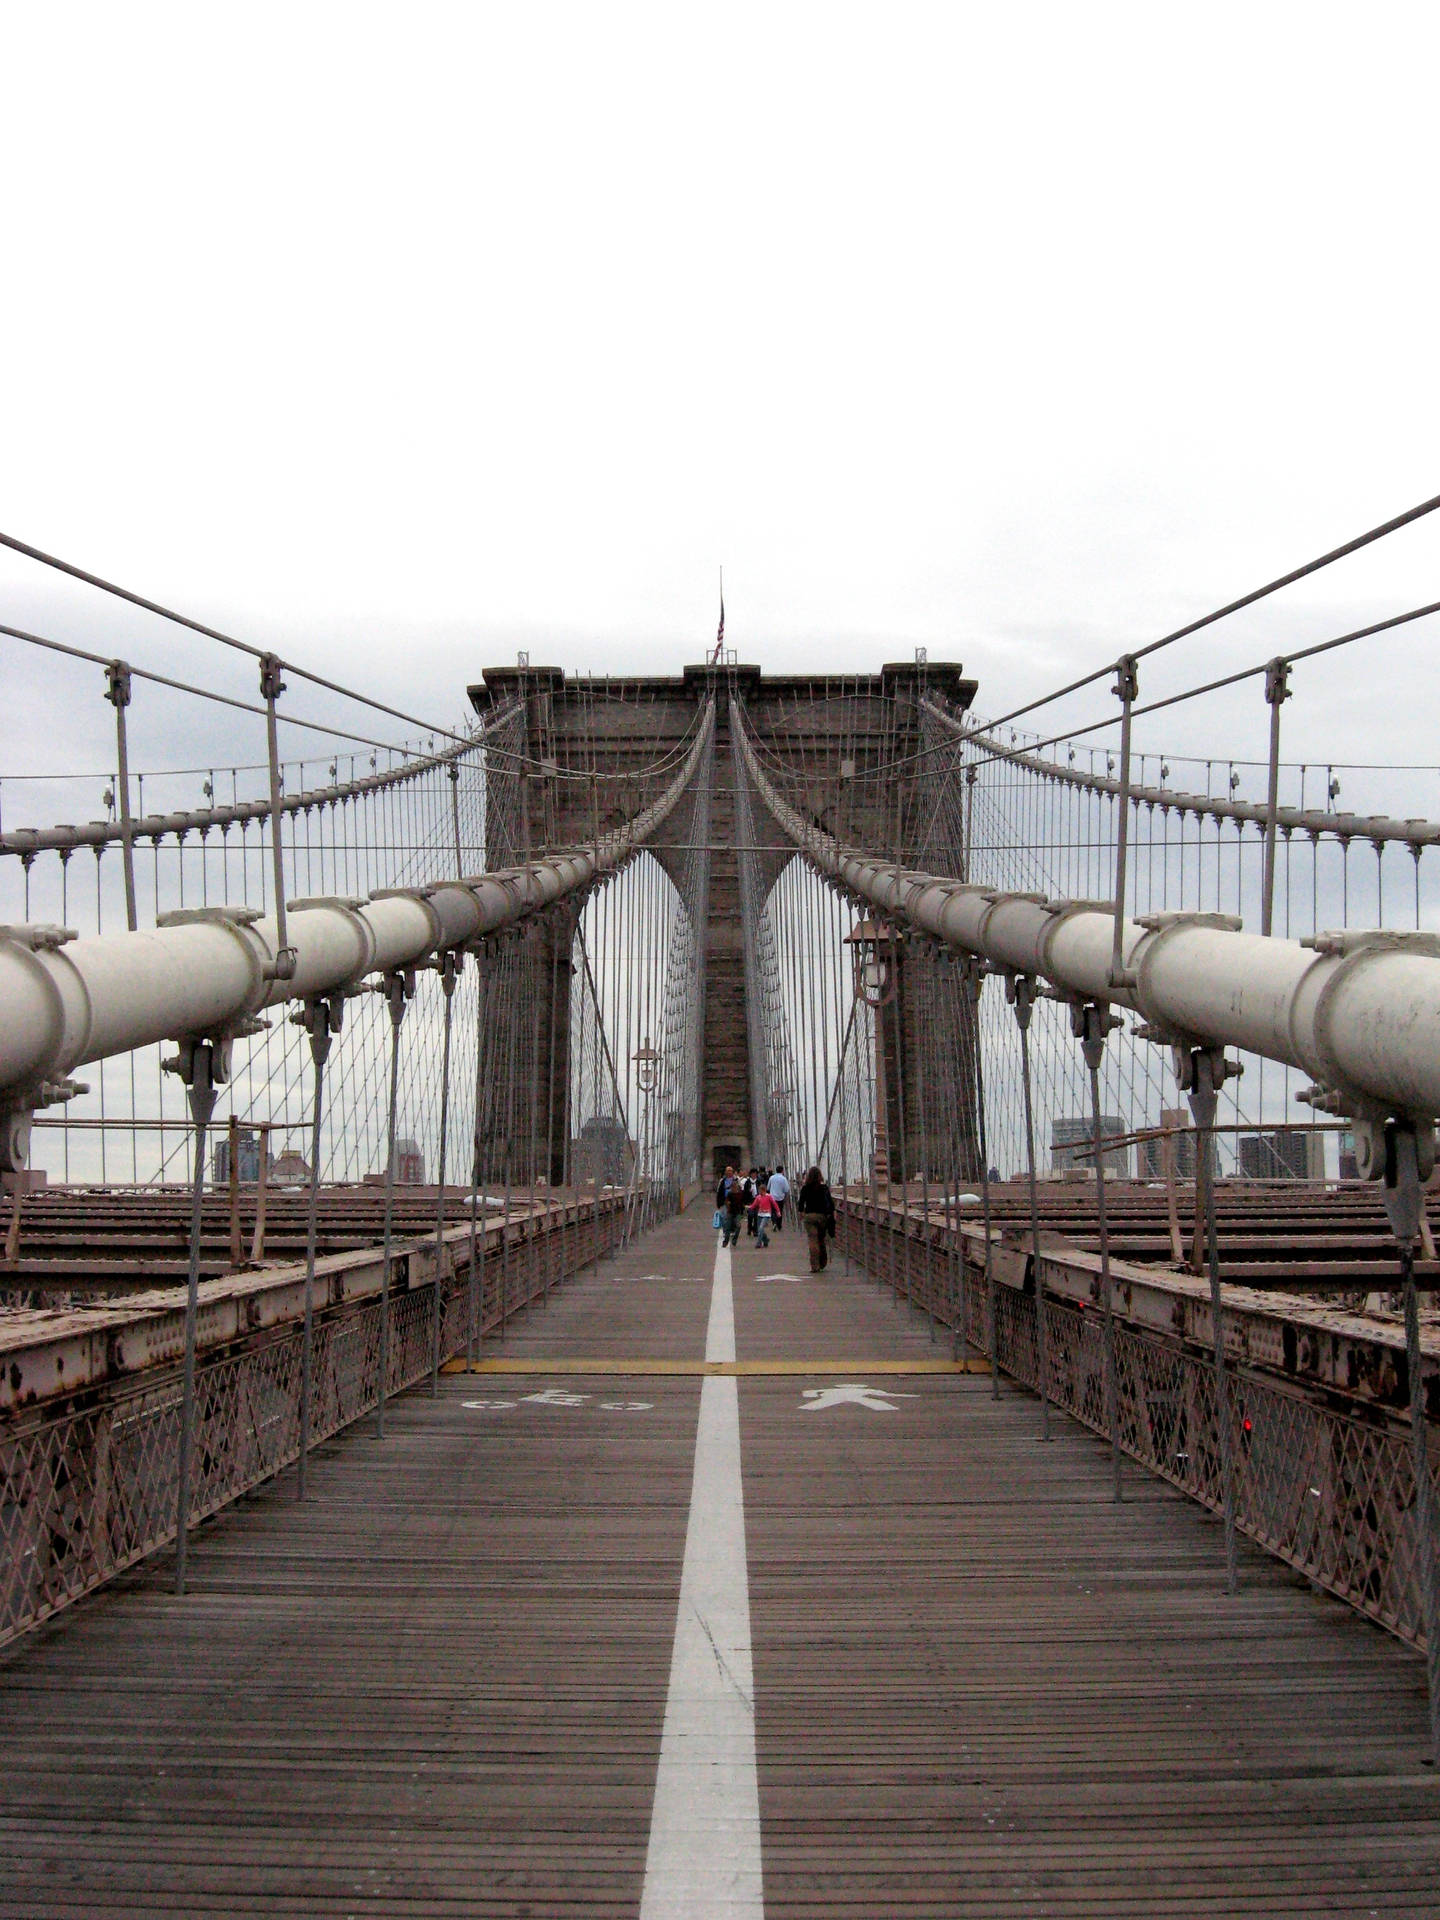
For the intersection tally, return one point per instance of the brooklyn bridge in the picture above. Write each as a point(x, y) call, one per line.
point(414, 1504)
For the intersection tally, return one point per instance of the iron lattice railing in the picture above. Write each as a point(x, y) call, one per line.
point(1330, 1493)
point(88, 1493)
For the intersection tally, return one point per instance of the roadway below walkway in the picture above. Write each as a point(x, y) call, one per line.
point(934, 1672)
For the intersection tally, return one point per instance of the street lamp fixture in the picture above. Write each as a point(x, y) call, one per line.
point(647, 1067)
point(873, 955)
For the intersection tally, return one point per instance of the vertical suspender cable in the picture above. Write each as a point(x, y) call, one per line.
point(197, 1066)
point(117, 682)
point(1022, 991)
point(398, 988)
point(320, 1018)
point(450, 964)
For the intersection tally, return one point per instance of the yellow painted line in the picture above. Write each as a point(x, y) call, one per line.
point(629, 1369)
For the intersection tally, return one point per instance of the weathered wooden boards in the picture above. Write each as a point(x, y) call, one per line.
point(981, 1689)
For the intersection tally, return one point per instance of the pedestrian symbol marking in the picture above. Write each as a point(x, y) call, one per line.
point(851, 1394)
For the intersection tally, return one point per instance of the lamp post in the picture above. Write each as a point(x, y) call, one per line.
point(647, 1078)
point(872, 956)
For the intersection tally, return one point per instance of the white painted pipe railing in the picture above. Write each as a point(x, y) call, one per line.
point(1359, 1012)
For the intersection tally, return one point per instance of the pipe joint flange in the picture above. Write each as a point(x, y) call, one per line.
point(1351, 953)
point(349, 907)
point(1162, 928)
point(39, 937)
point(237, 922)
point(421, 898)
point(26, 943)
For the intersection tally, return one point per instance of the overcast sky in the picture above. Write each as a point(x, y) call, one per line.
point(404, 338)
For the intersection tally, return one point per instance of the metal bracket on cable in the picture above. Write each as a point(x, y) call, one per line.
point(271, 688)
point(398, 987)
point(1021, 993)
point(322, 1019)
point(1201, 1070)
point(1126, 689)
point(1091, 1022)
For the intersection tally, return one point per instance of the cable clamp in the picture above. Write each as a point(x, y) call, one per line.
point(39, 937)
point(1383, 939)
point(1158, 922)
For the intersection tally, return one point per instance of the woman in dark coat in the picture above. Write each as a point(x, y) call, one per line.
point(816, 1207)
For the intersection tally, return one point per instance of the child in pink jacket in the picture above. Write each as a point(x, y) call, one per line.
point(765, 1210)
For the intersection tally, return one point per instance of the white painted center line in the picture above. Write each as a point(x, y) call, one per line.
point(704, 1854)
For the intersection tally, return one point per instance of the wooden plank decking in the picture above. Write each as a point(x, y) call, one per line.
point(981, 1689)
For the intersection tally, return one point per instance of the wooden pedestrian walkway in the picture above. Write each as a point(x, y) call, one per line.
point(447, 1686)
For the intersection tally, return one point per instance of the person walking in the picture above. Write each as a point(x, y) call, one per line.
point(779, 1193)
point(762, 1213)
point(751, 1186)
point(816, 1207)
point(736, 1201)
point(730, 1205)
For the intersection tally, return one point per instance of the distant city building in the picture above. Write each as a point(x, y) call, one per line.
point(1150, 1155)
point(1349, 1160)
point(1072, 1152)
point(601, 1151)
point(1281, 1153)
point(247, 1157)
point(409, 1164)
point(289, 1169)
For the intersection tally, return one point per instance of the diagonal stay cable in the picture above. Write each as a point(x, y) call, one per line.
point(1233, 606)
point(213, 633)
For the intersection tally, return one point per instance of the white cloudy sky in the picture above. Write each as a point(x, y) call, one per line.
point(401, 338)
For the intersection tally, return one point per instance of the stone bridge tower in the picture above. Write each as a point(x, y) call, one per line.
point(828, 728)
